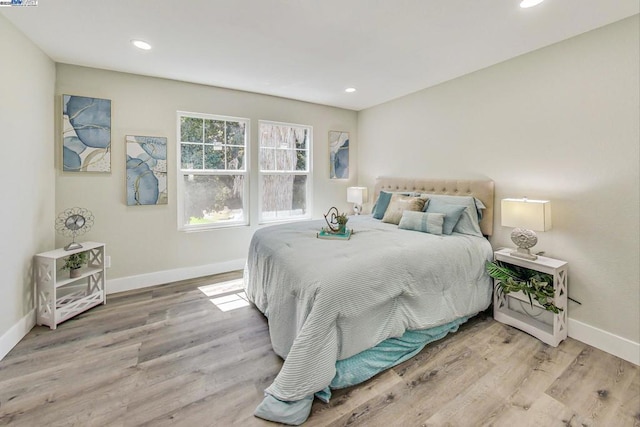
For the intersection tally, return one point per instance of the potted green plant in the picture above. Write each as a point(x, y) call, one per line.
point(342, 220)
point(74, 262)
point(533, 284)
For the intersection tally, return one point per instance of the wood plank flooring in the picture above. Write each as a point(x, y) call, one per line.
point(167, 356)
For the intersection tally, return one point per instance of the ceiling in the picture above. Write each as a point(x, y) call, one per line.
point(309, 50)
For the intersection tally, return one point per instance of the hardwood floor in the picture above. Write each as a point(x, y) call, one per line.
point(167, 356)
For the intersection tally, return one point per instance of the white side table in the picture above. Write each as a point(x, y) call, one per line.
point(551, 332)
point(60, 297)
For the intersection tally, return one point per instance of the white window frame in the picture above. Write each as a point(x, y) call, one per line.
point(308, 173)
point(186, 172)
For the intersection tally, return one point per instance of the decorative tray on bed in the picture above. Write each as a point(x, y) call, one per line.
point(324, 234)
point(336, 226)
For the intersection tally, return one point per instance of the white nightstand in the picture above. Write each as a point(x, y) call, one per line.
point(515, 310)
point(61, 297)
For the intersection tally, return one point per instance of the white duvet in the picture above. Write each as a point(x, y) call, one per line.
point(327, 300)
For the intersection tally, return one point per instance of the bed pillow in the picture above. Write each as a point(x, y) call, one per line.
point(380, 207)
point(422, 221)
point(469, 222)
point(399, 204)
point(479, 208)
point(452, 213)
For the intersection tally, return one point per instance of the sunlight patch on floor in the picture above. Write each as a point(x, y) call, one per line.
point(222, 287)
point(227, 302)
point(231, 302)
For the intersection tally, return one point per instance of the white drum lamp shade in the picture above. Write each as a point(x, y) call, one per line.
point(357, 196)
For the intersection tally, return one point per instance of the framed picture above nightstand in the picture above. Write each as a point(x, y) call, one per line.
point(517, 310)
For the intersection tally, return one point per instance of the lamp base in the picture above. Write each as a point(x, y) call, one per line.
point(524, 239)
point(357, 209)
point(523, 253)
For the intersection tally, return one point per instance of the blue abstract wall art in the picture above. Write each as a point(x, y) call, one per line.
point(146, 170)
point(86, 134)
point(339, 154)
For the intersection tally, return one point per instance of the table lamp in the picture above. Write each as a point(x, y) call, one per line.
point(357, 196)
point(528, 216)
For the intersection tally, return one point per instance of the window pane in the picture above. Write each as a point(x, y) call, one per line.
point(213, 131)
point(283, 196)
point(213, 199)
point(267, 159)
point(214, 157)
point(268, 136)
point(191, 156)
point(285, 160)
point(190, 129)
point(290, 143)
point(302, 139)
point(235, 133)
point(301, 160)
point(235, 158)
point(285, 143)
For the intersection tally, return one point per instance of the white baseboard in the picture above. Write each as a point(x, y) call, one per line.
point(13, 336)
point(161, 277)
point(605, 341)
point(21, 328)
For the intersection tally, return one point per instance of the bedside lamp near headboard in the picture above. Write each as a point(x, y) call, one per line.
point(528, 216)
point(357, 196)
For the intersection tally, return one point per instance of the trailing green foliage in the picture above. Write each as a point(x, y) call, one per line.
point(511, 278)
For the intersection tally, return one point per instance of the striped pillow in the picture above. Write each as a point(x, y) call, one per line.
point(422, 221)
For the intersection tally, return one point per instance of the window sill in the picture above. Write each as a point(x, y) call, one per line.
point(283, 220)
point(195, 229)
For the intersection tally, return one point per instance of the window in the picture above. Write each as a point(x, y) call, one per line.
point(285, 171)
point(213, 175)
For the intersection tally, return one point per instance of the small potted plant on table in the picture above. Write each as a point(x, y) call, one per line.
point(342, 222)
point(73, 263)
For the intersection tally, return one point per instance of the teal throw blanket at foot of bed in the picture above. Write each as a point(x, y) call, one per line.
point(357, 369)
point(390, 352)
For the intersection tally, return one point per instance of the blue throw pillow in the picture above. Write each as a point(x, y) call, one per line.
point(381, 205)
point(479, 207)
point(451, 213)
point(469, 222)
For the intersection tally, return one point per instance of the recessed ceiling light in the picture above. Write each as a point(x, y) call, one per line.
point(350, 89)
point(529, 3)
point(141, 44)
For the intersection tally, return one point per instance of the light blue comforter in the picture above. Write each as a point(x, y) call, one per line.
point(328, 300)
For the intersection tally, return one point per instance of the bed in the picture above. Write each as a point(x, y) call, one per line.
point(341, 311)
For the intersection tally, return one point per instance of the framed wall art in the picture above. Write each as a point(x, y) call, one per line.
point(86, 134)
point(339, 154)
point(146, 170)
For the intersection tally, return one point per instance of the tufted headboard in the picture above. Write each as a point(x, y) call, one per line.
point(482, 189)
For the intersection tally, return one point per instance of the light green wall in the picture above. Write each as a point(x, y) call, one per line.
point(560, 123)
point(144, 239)
point(27, 80)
